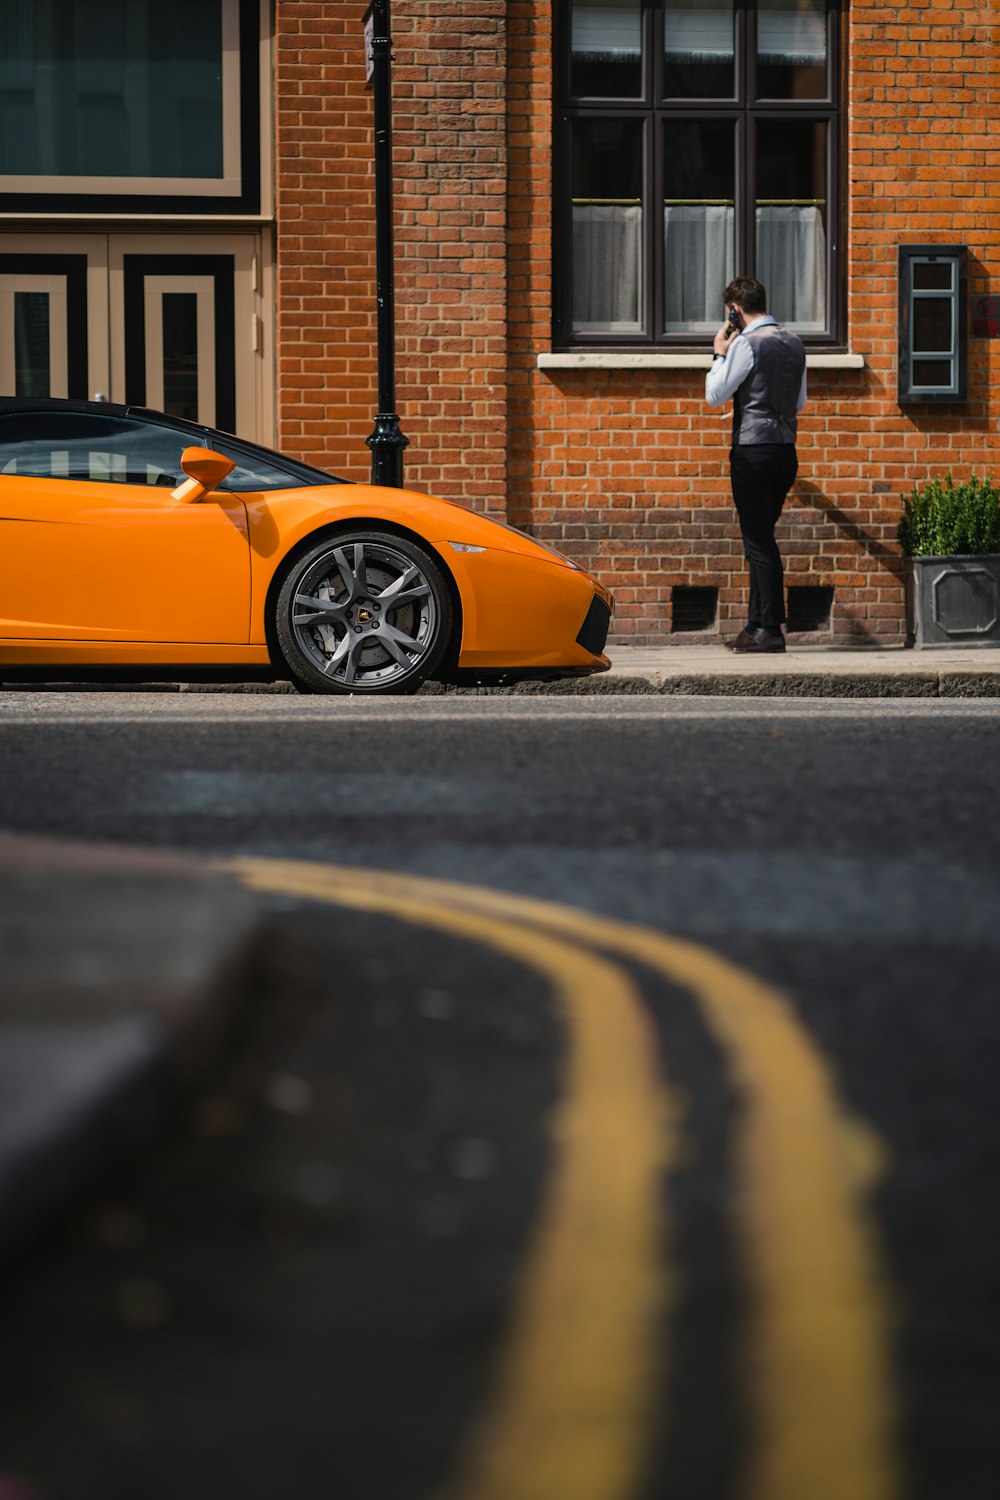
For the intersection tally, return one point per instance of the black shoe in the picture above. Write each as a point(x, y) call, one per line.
point(762, 642)
point(740, 642)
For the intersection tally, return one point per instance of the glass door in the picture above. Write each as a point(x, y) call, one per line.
point(186, 330)
point(173, 322)
point(53, 315)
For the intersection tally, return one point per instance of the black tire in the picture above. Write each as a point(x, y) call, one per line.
point(363, 612)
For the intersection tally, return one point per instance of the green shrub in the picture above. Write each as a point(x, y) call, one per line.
point(943, 518)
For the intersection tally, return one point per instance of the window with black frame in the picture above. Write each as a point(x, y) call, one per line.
point(130, 106)
point(696, 140)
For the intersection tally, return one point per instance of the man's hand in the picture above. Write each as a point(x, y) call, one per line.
point(721, 341)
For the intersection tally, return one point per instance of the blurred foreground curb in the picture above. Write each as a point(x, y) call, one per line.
point(123, 971)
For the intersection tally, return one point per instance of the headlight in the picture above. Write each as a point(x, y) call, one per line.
point(567, 562)
point(544, 546)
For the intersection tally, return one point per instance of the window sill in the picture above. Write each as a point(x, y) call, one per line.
point(593, 360)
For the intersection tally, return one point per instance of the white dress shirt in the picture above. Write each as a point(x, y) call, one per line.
point(728, 372)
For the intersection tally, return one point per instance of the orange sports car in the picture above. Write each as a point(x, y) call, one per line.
point(133, 539)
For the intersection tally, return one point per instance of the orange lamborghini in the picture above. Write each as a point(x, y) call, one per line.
point(133, 539)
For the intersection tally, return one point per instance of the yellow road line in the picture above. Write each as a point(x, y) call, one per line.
point(572, 1412)
point(817, 1356)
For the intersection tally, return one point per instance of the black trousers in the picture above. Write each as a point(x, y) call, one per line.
point(761, 475)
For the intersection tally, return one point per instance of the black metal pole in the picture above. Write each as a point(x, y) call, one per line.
point(387, 441)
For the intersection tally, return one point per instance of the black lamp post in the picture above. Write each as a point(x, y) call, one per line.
point(386, 441)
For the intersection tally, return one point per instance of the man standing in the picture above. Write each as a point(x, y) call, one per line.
point(762, 367)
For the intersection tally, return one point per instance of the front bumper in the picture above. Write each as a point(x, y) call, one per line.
point(593, 633)
point(529, 617)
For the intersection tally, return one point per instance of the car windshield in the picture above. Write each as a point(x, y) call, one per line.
point(257, 468)
point(261, 469)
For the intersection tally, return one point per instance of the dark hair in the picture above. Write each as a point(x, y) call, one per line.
point(749, 294)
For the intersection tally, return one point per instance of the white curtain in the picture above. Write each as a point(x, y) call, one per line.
point(607, 268)
point(607, 30)
point(699, 256)
point(791, 262)
point(789, 35)
point(699, 259)
point(704, 33)
point(701, 34)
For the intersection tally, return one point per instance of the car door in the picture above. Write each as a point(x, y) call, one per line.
point(94, 547)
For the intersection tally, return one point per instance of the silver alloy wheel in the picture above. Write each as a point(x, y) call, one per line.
point(364, 614)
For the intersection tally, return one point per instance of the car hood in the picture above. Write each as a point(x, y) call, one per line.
point(437, 521)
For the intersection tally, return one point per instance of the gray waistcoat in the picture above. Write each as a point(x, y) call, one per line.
point(764, 405)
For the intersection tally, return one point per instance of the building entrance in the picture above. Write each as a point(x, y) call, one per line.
point(175, 322)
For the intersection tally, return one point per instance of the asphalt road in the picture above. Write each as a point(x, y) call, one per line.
point(343, 1276)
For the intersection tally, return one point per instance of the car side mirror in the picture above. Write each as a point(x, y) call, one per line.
point(206, 470)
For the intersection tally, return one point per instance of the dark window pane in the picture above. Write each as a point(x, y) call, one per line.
point(699, 49)
point(791, 49)
point(791, 160)
point(607, 161)
point(112, 88)
point(606, 49)
point(32, 374)
point(932, 330)
point(791, 220)
point(932, 276)
point(699, 161)
point(606, 186)
point(180, 355)
point(699, 236)
point(938, 373)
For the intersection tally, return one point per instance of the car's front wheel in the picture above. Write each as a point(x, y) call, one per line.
point(363, 612)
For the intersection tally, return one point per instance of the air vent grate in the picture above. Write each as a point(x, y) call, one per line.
point(693, 608)
point(809, 608)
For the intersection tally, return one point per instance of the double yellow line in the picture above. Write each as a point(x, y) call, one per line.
point(573, 1411)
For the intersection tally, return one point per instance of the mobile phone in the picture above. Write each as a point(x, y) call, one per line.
point(735, 321)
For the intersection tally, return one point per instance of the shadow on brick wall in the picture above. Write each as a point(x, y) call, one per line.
point(886, 553)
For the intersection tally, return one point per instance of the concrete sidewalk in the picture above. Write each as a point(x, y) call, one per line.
point(123, 970)
point(801, 672)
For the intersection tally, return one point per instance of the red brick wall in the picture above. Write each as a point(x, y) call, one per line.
point(450, 154)
point(449, 159)
point(625, 470)
point(326, 370)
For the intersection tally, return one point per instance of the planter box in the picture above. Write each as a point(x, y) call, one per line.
point(953, 601)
